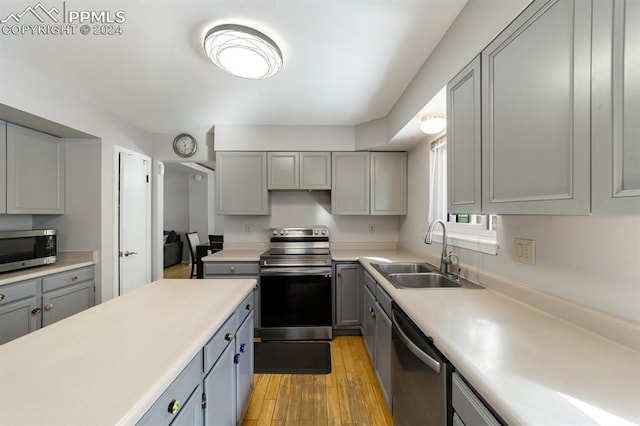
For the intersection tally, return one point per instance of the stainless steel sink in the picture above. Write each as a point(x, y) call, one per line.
point(419, 275)
point(402, 268)
point(423, 280)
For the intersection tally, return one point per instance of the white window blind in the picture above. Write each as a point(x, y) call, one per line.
point(438, 180)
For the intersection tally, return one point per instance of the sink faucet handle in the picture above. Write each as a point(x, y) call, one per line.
point(450, 257)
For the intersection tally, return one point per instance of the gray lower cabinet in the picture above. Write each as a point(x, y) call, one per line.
point(376, 332)
point(536, 111)
point(29, 305)
point(215, 387)
point(468, 408)
point(348, 298)
point(615, 177)
point(243, 270)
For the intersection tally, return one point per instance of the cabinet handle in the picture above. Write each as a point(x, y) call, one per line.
point(1, 297)
point(228, 337)
point(243, 348)
point(339, 274)
point(372, 312)
point(74, 277)
point(174, 406)
point(232, 268)
point(48, 307)
point(249, 307)
point(36, 311)
point(236, 359)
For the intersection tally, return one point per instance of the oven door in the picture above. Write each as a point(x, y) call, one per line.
point(295, 305)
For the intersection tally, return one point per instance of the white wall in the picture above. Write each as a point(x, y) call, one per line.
point(590, 260)
point(479, 22)
point(12, 222)
point(303, 208)
point(38, 93)
point(284, 138)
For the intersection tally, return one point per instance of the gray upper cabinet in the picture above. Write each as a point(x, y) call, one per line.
point(35, 172)
point(350, 183)
point(388, 183)
point(616, 108)
point(284, 170)
point(3, 162)
point(464, 141)
point(241, 183)
point(536, 112)
point(315, 170)
point(299, 170)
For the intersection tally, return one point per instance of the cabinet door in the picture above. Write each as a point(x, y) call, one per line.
point(350, 183)
point(348, 297)
point(464, 141)
point(616, 108)
point(63, 303)
point(383, 361)
point(18, 318)
point(536, 112)
point(388, 183)
point(315, 170)
point(35, 172)
point(191, 412)
point(241, 183)
point(3, 164)
point(220, 391)
point(244, 365)
point(283, 170)
point(369, 322)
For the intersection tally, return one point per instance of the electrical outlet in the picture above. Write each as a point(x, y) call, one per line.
point(248, 229)
point(372, 228)
point(525, 250)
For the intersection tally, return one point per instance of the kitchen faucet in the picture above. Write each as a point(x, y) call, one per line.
point(444, 258)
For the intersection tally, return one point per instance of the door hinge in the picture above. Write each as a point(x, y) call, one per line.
point(147, 178)
point(204, 400)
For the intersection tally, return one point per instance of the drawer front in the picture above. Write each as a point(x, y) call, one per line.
point(17, 291)
point(231, 268)
point(370, 282)
point(170, 403)
point(64, 279)
point(384, 300)
point(217, 344)
point(244, 309)
point(468, 406)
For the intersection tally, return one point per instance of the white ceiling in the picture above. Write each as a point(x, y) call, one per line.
point(345, 61)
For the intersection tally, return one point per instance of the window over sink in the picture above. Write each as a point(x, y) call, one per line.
point(476, 232)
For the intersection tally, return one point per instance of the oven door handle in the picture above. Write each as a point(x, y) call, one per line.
point(325, 272)
point(425, 358)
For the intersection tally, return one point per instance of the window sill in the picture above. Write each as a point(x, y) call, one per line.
point(481, 244)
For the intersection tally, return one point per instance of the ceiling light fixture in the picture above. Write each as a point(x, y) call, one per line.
point(243, 51)
point(433, 123)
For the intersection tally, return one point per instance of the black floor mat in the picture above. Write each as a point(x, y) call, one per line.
point(292, 358)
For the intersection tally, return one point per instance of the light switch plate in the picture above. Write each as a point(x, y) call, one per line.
point(525, 250)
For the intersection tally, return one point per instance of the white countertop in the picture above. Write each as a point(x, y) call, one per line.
point(107, 365)
point(39, 271)
point(531, 367)
point(234, 256)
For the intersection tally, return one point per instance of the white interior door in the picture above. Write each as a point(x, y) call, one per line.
point(134, 245)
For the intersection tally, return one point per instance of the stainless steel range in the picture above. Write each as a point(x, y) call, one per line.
point(295, 285)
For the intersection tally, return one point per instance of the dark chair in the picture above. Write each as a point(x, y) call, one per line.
point(193, 240)
point(216, 241)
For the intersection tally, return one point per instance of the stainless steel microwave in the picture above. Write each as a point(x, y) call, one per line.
point(24, 249)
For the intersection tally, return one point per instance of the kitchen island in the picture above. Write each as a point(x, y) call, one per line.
point(109, 364)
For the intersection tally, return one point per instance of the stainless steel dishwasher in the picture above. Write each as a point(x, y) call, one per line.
point(421, 376)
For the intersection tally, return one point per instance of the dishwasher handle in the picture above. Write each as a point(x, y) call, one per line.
point(425, 358)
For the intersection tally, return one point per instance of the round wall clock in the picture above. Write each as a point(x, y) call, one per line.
point(185, 145)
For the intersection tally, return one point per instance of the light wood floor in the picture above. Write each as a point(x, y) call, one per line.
point(349, 395)
point(181, 270)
